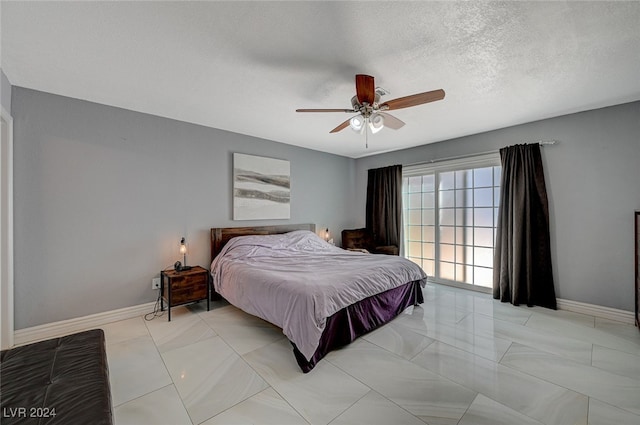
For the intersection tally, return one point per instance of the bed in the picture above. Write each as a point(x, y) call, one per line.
point(321, 296)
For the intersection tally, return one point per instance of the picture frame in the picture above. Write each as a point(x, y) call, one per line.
point(261, 188)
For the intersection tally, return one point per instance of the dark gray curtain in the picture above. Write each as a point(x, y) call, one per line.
point(384, 204)
point(522, 271)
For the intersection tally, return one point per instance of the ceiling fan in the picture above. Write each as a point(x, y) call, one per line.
point(371, 110)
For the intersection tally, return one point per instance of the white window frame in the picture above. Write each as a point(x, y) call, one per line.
point(491, 159)
point(6, 233)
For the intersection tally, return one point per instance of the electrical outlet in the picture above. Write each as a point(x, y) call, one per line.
point(155, 283)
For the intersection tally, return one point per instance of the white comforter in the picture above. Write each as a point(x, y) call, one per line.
point(296, 280)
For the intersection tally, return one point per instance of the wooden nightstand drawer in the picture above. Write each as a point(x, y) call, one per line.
point(183, 287)
point(180, 282)
point(185, 295)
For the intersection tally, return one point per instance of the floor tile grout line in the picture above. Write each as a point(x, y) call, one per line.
point(265, 380)
point(370, 390)
point(169, 374)
point(580, 341)
point(172, 384)
point(469, 333)
point(504, 354)
point(568, 389)
point(503, 365)
point(128, 341)
point(589, 397)
point(593, 346)
point(351, 405)
point(469, 407)
point(288, 403)
point(505, 406)
point(636, 350)
point(156, 389)
point(579, 326)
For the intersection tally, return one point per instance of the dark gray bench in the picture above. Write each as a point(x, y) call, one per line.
point(58, 381)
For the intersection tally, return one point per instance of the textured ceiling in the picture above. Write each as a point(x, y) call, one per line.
point(246, 66)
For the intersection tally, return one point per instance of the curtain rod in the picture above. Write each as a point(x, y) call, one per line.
point(450, 158)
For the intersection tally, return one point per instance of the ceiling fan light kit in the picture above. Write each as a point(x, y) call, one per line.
point(366, 103)
point(375, 122)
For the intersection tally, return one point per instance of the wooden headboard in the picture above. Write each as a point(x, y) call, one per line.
point(221, 235)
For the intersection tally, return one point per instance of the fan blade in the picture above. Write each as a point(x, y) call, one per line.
point(391, 121)
point(365, 89)
point(341, 126)
point(326, 110)
point(413, 100)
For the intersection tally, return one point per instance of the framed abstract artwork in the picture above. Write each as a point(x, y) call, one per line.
point(261, 188)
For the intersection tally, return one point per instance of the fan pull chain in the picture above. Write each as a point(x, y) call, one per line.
point(366, 138)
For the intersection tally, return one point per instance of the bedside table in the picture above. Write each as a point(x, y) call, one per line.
point(184, 287)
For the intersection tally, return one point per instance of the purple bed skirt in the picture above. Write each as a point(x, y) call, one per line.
point(357, 319)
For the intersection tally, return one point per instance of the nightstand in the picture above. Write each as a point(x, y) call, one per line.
point(184, 287)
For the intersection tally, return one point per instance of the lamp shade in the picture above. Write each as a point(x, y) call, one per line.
point(357, 123)
point(376, 122)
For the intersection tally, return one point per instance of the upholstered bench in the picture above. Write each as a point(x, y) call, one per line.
point(58, 381)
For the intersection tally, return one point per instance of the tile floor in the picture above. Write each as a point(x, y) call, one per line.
point(460, 358)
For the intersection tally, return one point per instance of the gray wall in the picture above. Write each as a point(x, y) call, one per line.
point(5, 92)
point(593, 184)
point(103, 195)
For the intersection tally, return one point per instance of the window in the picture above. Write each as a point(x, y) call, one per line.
point(450, 212)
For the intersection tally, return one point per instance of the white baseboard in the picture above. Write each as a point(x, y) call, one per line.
point(597, 311)
point(602, 312)
point(78, 324)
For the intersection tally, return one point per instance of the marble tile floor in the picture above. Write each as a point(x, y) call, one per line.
point(460, 358)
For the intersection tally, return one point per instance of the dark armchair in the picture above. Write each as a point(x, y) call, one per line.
point(357, 239)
